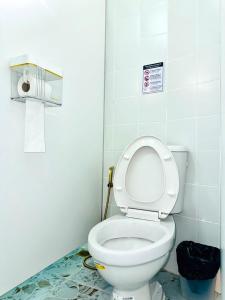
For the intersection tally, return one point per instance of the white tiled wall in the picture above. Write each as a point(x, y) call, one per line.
point(185, 35)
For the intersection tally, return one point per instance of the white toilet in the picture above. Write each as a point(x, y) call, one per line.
point(130, 249)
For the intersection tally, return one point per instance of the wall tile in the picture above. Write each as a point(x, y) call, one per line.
point(152, 108)
point(152, 129)
point(182, 132)
point(123, 135)
point(154, 49)
point(208, 204)
point(127, 31)
point(126, 111)
point(109, 112)
point(182, 72)
point(192, 168)
point(171, 265)
point(128, 55)
point(185, 231)
point(123, 9)
point(114, 210)
point(109, 87)
point(126, 81)
point(181, 103)
point(207, 133)
point(208, 62)
point(208, 168)
point(127, 43)
point(208, 234)
point(127, 34)
point(117, 155)
point(186, 37)
point(208, 98)
point(181, 38)
point(126, 22)
point(110, 38)
point(190, 201)
point(208, 22)
point(153, 17)
point(110, 56)
point(108, 137)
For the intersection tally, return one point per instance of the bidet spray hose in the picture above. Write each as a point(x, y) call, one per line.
point(110, 186)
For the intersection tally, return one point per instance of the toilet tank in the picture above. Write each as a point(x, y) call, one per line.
point(180, 155)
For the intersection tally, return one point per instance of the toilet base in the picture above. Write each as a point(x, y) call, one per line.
point(152, 291)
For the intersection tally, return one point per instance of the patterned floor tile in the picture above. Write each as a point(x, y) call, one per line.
point(170, 284)
point(90, 278)
point(67, 279)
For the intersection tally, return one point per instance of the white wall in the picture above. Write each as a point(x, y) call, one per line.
point(48, 202)
point(186, 36)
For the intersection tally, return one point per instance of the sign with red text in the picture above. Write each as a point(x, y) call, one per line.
point(153, 78)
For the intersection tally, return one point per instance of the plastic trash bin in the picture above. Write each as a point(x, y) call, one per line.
point(198, 265)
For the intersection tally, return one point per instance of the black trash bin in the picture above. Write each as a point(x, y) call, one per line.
point(198, 265)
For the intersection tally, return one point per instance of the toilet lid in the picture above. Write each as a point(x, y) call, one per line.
point(146, 177)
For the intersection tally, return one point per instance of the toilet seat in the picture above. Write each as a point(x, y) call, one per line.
point(146, 180)
point(148, 240)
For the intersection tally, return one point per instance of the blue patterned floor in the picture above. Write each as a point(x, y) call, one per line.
point(67, 279)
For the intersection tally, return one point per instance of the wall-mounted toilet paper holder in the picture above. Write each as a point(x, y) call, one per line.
point(33, 80)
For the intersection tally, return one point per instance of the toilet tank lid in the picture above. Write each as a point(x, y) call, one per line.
point(177, 148)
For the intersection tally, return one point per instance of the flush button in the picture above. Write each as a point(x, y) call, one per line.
point(118, 188)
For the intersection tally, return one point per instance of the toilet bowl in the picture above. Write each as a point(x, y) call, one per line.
point(129, 252)
point(130, 249)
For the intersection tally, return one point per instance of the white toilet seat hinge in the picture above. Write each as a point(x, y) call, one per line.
point(142, 214)
point(162, 215)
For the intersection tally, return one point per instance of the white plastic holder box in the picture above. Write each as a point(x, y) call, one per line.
point(33, 80)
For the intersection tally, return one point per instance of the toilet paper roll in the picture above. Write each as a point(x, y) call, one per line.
point(33, 87)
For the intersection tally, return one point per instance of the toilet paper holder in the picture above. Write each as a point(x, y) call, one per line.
point(31, 79)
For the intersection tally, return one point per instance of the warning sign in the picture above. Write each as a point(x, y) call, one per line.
point(153, 78)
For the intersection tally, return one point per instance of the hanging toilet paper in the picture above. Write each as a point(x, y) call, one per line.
point(34, 140)
point(29, 86)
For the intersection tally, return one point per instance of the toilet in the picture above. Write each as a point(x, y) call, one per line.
point(131, 248)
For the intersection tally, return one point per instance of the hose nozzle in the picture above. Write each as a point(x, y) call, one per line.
point(109, 185)
point(110, 182)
